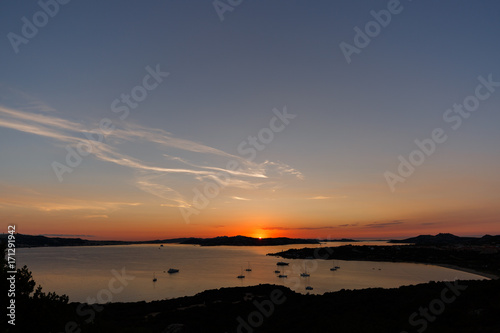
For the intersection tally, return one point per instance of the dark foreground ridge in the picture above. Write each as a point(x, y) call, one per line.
point(462, 306)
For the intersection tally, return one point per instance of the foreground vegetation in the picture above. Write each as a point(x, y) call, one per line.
point(485, 259)
point(459, 306)
point(475, 309)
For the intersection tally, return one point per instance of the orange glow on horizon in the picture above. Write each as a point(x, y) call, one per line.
point(155, 231)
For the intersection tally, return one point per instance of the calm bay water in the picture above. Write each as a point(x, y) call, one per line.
point(83, 272)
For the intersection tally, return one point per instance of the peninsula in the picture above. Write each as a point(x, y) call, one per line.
point(39, 241)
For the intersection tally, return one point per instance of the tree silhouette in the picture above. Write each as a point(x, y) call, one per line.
point(36, 311)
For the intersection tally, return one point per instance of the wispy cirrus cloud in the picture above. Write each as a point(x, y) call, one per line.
point(349, 225)
point(313, 228)
point(22, 100)
point(68, 205)
point(65, 235)
point(322, 197)
point(239, 198)
point(164, 178)
point(65, 205)
point(383, 224)
point(319, 197)
point(34, 118)
point(102, 216)
point(150, 184)
point(299, 228)
point(25, 197)
point(345, 225)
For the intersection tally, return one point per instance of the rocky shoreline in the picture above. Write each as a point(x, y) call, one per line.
point(481, 260)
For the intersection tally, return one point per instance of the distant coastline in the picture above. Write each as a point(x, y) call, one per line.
point(342, 240)
point(248, 241)
point(482, 260)
point(23, 241)
point(474, 255)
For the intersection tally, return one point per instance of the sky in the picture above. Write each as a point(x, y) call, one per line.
point(141, 120)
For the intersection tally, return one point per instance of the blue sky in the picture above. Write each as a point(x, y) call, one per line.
point(225, 78)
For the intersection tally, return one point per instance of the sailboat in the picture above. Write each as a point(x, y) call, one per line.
point(241, 276)
point(154, 277)
point(282, 275)
point(305, 274)
point(334, 268)
point(248, 268)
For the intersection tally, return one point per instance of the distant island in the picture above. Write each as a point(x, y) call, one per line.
point(476, 255)
point(248, 241)
point(342, 240)
point(39, 241)
point(449, 239)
